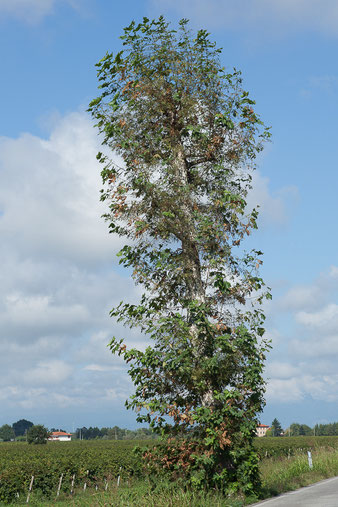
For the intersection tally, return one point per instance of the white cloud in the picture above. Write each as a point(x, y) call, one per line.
point(95, 367)
point(284, 390)
point(296, 389)
point(40, 312)
point(277, 17)
point(320, 345)
point(325, 320)
point(275, 208)
point(50, 193)
point(281, 370)
point(273, 336)
point(334, 272)
point(300, 297)
point(309, 297)
point(303, 362)
point(57, 282)
point(30, 11)
point(53, 372)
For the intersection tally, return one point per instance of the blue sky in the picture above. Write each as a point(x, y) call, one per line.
point(59, 275)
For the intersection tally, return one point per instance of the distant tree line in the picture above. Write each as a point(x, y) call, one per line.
point(326, 429)
point(17, 430)
point(22, 429)
point(114, 433)
point(297, 430)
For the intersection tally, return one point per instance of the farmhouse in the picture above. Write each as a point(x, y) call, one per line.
point(261, 430)
point(60, 436)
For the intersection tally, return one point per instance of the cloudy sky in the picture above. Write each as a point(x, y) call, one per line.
point(59, 277)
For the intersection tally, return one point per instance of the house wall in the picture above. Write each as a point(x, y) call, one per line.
point(261, 430)
point(60, 438)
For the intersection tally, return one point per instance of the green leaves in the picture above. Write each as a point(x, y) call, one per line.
point(114, 104)
point(187, 136)
point(225, 121)
point(94, 102)
point(220, 282)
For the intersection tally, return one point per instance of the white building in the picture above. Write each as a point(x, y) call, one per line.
point(262, 429)
point(60, 436)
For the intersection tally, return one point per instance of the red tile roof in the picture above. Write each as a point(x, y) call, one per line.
point(60, 433)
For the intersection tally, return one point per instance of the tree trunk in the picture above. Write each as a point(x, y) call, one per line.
point(195, 286)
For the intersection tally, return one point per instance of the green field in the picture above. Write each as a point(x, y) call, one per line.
point(93, 462)
point(289, 446)
point(98, 464)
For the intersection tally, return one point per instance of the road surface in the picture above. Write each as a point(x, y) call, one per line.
point(321, 494)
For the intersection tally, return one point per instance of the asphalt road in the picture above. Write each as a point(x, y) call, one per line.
point(321, 494)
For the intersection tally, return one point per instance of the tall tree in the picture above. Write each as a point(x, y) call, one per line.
point(21, 427)
point(277, 428)
point(6, 433)
point(188, 136)
point(37, 434)
point(294, 430)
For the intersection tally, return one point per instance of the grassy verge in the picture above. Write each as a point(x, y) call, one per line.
point(141, 494)
point(280, 475)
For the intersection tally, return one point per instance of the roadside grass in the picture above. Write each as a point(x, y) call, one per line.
point(141, 494)
point(280, 475)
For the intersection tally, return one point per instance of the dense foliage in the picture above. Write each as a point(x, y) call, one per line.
point(37, 434)
point(276, 429)
point(187, 135)
point(296, 430)
point(21, 427)
point(326, 429)
point(6, 433)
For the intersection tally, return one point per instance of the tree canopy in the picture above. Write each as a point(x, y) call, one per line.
point(276, 428)
point(20, 427)
point(297, 429)
point(37, 434)
point(187, 136)
point(6, 433)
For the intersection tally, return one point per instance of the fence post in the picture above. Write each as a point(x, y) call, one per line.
point(309, 457)
point(72, 486)
point(59, 486)
point(118, 479)
point(85, 484)
point(30, 489)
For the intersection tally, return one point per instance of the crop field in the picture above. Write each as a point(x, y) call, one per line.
point(289, 446)
point(96, 465)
